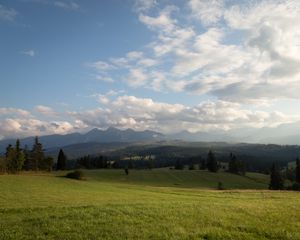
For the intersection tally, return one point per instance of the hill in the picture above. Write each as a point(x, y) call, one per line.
point(258, 157)
point(179, 178)
point(107, 206)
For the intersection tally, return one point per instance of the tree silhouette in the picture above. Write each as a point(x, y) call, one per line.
point(298, 170)
point(233, 164)
point(212, 164)
point(276, 181)
point(37, 155)
point(61, 160)
point(179, 165)
point(14, 158)
point(236, 166)
point(19, 157)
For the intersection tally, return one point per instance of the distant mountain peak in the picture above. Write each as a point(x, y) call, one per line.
point(112, 129)
point(94, 130)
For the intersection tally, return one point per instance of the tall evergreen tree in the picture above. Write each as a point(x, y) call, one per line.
point(8, 150)
point(27, 159)
point(19, 157)
point(236, 166)
point(298, 170)
point(61, 160)
point(37, 155)
point(212, 164)
point(14, 158)
point(179, 165)
point(9, 158)
point(276, 181)
point(233, 164)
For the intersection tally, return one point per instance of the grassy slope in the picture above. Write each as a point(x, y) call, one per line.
point(187, 179)
point(49, 207)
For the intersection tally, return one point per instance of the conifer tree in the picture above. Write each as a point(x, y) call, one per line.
point(14, 158)
point(9, 158)
point(236, 166)
point(179, 165)
point(37, 155)
point(233, 164)
point(8, 150)
point(298, 170)
point(276, 181)
point(27, 159)
point(19, 157)
point(212, 164)
point(61, 160)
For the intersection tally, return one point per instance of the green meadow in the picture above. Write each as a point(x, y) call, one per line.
point(146, 204)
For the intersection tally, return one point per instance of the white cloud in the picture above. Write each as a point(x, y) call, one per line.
point(140, 114)
point(45, 110)
point(134, 55)
point(69, 5)
point(162, 22)
point(245, 51)
point(100, 66)
point(7, 14)
point(147, 62)
point(63, 4)
point(144, 5)
point(101, 98)
point(136, 78)
point(104, 78)
point(144, 113)
point(30, 53)
point(208, 12)
point(14, 112)
point(120, 62)
point(18, 128)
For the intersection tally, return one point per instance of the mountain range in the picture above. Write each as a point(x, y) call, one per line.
point(110, 135)
point(285, 134)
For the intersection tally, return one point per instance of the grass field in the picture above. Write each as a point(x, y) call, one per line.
point(157, 204)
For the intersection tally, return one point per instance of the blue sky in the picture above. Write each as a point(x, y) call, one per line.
point(163, 65)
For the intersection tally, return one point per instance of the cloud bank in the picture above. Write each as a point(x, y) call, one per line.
point(235, 54)
point(125, 111)
point(241, 51)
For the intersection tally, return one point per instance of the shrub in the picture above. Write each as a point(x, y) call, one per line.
point(77, 174)
point(220, 186)
point(192, 167)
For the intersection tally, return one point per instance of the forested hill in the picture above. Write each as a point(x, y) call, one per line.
point(260, 156)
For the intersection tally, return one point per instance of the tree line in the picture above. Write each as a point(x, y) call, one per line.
point(211, 164)
point(277, 177)
point(17, 159)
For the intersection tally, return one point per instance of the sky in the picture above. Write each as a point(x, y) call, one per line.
point(168, 66)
